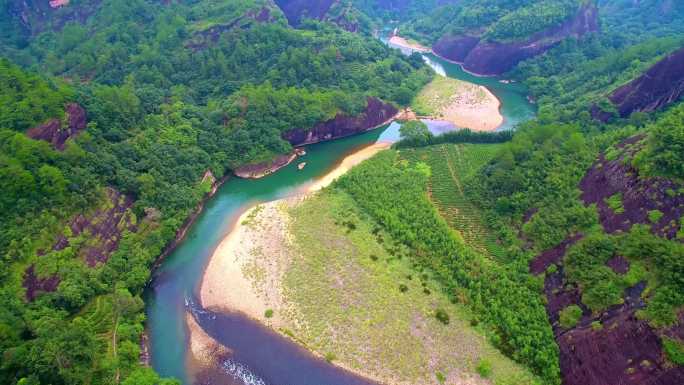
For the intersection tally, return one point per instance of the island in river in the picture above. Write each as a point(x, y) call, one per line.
point(317, 270)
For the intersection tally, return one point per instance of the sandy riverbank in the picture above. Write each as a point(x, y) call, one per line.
point(325, 289)
point(464, 104)
point(245, 271)
point(404, 43)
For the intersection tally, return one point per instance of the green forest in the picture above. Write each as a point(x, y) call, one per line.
point(173, 90)
point(167, 99)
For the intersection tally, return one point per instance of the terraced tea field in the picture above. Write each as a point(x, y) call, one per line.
point(453, 167)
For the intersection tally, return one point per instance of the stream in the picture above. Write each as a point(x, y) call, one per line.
point(260, 356)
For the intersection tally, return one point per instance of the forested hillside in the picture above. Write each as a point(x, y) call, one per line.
point(564, 239)
point(137, 109)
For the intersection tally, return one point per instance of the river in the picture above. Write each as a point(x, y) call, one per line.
point(259, 355)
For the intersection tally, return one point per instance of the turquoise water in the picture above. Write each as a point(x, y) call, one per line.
point(179, 275)
point(515, 107)
point(261, 356)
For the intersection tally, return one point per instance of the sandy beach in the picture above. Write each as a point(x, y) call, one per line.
point(263, 263)
point(402, 42)
point(245, 271)
point(472, 111)
point(464, 104)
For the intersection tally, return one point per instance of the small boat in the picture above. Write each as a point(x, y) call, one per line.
point(301, 165)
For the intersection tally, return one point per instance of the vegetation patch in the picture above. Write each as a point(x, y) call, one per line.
point(570, 316)
point(366, 319)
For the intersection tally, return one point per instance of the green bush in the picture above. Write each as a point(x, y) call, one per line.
point(615, 203)
point(442, 316)
point(655, 215)
point(484, 368)
point(570, 316)
point(268, 313)
point(674, 350)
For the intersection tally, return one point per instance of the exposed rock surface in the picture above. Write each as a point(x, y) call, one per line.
point(35, 285)
point(494, 58)
point(206, 37)
point(105, 228)
point(639, 195)
point(376, 114)
point(259, 170)
point(37, 16)
point(296, 10)
point(552, 256)
point(614, 346)
point(660, 86)
point(53, 132)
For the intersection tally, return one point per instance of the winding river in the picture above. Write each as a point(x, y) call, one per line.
point(260, 356)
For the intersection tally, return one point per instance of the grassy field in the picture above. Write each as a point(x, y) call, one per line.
point(434, 98)
point(356, 299)
point(453, 167)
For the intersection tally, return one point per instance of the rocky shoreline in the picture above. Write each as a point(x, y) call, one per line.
point(377, 114)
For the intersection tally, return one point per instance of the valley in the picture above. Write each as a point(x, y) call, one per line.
point(342, 192)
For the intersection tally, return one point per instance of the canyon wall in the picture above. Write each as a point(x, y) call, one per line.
point(484, 57)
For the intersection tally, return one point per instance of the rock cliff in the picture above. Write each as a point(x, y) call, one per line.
point(626, 349)
point(376, 113)
point(484, 57)
point(660, 86)
point(37, 16)
point(296, 10)
point(53, 132)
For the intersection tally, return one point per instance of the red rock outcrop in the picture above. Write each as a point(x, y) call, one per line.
point(494, 58)
point(259, 170)
point(209, 36)
point(37, 16)
point(639, 195)
point(54, 133)
point(105, 228)
point(296, 10)
point(614, 346)
point(35, 285)
point(376, 114)
point(660, 86)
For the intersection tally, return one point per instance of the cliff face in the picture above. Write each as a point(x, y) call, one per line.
point(660, 86)
point(627, 349)
point(104, 228)
point(40, 15)
point(494, 58)
point(295, 10)
point(376, 113)
point(53, 132)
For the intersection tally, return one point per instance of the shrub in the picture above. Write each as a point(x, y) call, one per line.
point(268, 313)
point(655, 215)
point(440, 377)
point(403, 288)
point(615, 203)
point(442, 316)
point(674, 350)
point(570, 316)
point(330, 356)
point(484, 368)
